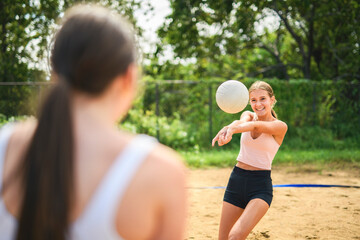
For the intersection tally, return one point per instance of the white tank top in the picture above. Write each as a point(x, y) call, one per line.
point(259, 152)
point(97, 221)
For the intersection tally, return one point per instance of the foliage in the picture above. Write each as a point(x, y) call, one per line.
point(283, 39)
point(174, 132)
point(184, 114)
point(26, 28)
point(318, 114)
point(4, 120)
point(214, 41)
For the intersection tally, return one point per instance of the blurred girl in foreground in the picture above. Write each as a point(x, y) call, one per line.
point(72, 174)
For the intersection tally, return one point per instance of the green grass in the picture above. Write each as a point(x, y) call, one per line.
point(227, 158)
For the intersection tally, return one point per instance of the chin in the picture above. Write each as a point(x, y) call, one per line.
point(262, 113)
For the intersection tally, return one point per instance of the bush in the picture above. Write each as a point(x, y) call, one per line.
point(320, 114)
point(184, 115)
point(170, 131)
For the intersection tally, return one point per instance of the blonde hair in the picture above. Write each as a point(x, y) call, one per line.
point(264, 86)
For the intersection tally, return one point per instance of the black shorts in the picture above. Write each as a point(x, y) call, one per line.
point(245, 185)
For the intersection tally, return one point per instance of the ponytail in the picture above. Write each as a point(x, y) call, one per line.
point(48, 173)
point(273, 113)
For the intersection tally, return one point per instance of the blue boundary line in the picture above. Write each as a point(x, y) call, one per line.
point(315, 185)
point(289, 185)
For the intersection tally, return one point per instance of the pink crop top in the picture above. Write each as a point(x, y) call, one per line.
point(258, 152)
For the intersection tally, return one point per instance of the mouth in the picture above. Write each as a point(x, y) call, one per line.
point(260, 109)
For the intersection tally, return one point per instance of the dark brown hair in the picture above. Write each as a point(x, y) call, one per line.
point(91, 48)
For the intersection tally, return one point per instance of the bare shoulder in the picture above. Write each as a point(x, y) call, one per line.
point(18, 143)
point(282, 125)
point(23, 132)
point(169, 163)
point(161, 160)
point(163, 169)
point(161, 182)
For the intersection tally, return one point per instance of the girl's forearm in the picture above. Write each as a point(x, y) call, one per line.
point(239, 127)
point(233, 124)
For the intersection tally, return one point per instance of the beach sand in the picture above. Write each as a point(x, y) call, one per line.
point(295, 213)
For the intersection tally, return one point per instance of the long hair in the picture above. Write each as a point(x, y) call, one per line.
point(264, 86)
point(91, 48)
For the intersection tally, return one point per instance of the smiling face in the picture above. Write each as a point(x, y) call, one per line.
point(261, 103)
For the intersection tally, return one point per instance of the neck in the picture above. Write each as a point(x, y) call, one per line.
point(95, 110)
point(268, 117)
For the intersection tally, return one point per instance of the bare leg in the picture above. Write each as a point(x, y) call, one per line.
point(252, 214)
point(229, 215)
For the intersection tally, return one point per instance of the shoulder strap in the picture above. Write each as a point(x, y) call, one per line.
point(5, 133)
point(7, 221)
point(101, 210)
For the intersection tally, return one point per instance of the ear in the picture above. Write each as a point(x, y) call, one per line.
point(124, 90)
point(126, 83)
point(130, 77)
point(273, 101)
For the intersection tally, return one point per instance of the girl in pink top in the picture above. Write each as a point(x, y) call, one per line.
point(249, 192)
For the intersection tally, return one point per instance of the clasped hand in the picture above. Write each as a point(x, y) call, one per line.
point(223, 137)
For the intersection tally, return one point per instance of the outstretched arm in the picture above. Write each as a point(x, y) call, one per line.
point(245, 117)
point(276, 128)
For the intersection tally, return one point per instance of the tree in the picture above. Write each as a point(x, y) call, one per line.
point(309, 39)
point(26, 28)
point(22, 22)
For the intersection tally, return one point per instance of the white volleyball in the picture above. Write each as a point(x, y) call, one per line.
point(232, 96)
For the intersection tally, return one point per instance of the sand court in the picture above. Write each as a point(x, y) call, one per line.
point(295, 213)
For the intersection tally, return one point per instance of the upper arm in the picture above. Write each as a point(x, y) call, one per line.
point(173, 202)
point(276, 128)
point(156, 199)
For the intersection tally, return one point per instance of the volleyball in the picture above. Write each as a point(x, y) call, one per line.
point(232, 96)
